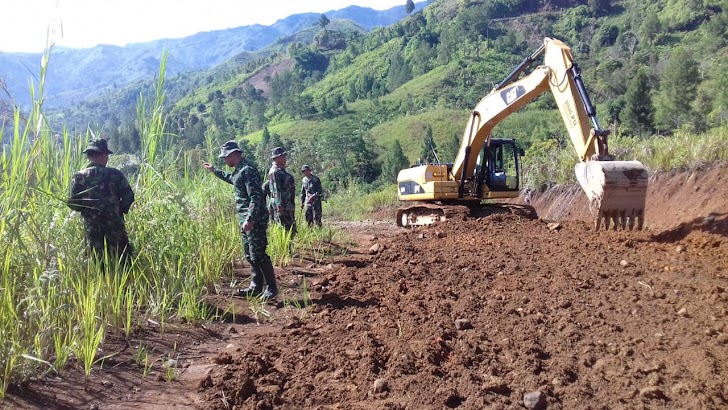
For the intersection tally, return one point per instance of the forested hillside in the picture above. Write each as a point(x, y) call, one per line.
point(80, 76)
point(351, 104)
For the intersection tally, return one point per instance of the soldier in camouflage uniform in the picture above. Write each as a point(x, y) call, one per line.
point(283, 190)
point(311, 195)
point(271, 209)
point(252, 217)
point(103, 196)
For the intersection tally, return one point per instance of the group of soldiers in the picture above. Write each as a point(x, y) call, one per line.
point(280, 188)
point(103, 196)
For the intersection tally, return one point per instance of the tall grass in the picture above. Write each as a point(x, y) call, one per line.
point(311, 242)
point(546, 163)
point(55, 304)
point(356, 203)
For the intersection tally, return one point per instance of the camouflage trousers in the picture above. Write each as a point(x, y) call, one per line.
point(255, 242)
point(109, 237)
point(287, 219)
point(313, 213)
point(272, 212)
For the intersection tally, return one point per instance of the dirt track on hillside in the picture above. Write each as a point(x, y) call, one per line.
point(472, 314)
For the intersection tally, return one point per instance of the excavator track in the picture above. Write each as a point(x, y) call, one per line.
point(428, 214)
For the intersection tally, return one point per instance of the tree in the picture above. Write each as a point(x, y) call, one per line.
point(129, 137)
point(720, 105)
point(650, 28)
point(324, 21)
point(111, 131)
point(451, 148)
point(600, 7)
point(217, 115)
point(409, 6)
point(263, 151)
point(394, 162)
point(638, 113)
point(678, 89)
point(276, 141)
point(366, 167)
point(429, 148)
point(399, 72)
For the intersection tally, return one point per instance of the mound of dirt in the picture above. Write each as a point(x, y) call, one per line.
point(501, 312)
point(672, 198)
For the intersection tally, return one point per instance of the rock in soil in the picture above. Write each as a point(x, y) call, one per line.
point(534, 400)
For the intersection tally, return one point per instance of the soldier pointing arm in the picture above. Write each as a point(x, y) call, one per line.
point(252, 217)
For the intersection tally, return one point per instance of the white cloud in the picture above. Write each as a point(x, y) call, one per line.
point(86, 23)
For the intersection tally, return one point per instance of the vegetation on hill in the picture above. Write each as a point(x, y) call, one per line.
point(651, 68)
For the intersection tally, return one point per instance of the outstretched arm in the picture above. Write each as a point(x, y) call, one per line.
point(220, 174)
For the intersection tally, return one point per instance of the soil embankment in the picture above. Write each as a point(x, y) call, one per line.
point(673, 198)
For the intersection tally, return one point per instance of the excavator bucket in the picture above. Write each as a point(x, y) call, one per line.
point(616, 192)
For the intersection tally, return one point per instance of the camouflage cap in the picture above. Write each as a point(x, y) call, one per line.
point(228, 148)
point(305, 168)
point(99, 145)
point(277, 152)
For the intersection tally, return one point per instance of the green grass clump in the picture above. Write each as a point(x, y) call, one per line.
point(355, 203)
point(55, 304)
point(547, 163)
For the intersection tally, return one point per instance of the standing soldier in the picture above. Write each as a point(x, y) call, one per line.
point(283, 190)
point(269, 199)
point(311, 194)
point(252, 217)
point(103, 196)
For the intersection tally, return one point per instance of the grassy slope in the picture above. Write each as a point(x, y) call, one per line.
point(410, 129)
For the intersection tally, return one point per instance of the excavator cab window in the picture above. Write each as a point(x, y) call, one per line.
point(502, 165)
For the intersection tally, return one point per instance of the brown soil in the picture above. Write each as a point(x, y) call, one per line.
point(261, 79)
point(470, 314)
point(673, 198)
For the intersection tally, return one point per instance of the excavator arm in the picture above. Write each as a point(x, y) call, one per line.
point(616, 189)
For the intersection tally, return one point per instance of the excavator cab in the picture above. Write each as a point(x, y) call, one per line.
point(502, 171)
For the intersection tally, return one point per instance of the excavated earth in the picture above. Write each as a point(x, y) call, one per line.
point(480, 313)
point(499, 312)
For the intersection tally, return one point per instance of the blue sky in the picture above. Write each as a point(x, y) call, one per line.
point(27, 24)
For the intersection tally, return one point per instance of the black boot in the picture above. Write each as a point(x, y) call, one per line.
point(270, 279)
point(256, 282)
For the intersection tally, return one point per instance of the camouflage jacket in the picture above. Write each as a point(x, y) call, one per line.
point(100, 193)
point(249, 197)
point(282, 188)
point(311, 190)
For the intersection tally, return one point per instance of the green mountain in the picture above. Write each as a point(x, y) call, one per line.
point(79, 75)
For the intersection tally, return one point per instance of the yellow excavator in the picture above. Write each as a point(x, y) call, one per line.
point(488, 168)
